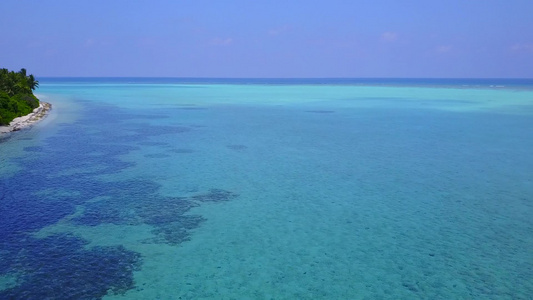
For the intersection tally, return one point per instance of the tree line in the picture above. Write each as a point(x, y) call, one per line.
point(16, 94)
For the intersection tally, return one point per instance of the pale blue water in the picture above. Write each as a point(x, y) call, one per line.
point(271, 189)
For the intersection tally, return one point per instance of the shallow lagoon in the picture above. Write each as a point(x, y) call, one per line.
point(270, 190)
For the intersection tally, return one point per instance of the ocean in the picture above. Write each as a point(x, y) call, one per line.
point(176, 188)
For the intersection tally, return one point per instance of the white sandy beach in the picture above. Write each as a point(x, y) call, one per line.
point(27, 120)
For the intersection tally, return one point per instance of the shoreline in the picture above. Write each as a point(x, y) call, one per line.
point(28, 120)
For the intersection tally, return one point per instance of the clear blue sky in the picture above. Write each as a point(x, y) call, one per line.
point(258, 38)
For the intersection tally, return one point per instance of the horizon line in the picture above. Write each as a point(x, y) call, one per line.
point(183, 77)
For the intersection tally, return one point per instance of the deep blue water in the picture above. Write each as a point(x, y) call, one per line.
point(271, 189)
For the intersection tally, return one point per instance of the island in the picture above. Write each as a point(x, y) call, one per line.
point(19, 107)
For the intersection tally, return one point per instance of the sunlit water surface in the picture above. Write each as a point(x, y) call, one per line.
point(213, 189)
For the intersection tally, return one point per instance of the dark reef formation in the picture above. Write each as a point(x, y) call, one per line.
point(63, 174)
point(58, 267)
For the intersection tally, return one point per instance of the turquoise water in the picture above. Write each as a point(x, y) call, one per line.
point(271, 189)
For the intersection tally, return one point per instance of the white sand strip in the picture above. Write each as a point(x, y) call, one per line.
point(27, 120)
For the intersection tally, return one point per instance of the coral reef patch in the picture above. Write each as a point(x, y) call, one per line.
point(320, 111)
point(59, 267)
point(62, 176)
point(237, 147)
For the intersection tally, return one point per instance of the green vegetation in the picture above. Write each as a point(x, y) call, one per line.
point(16, 95)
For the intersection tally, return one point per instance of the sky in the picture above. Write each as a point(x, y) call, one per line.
point(268, 39)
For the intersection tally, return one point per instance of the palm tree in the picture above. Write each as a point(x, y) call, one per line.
point(33, 84)
point(9, 82)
